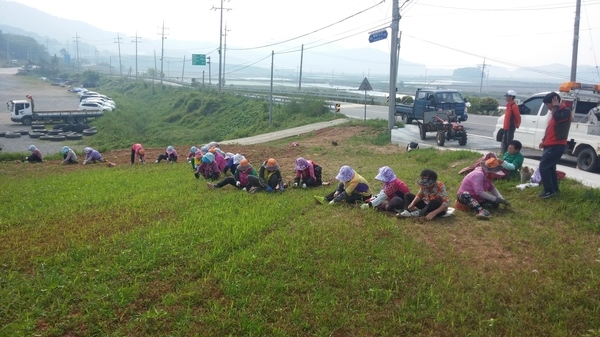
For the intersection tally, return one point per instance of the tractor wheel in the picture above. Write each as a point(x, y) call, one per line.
point(441, 138)
point(463, 140)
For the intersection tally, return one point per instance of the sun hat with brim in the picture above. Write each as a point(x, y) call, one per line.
point(244, 165)
point(492, 166)
point(386, 174)
point(170, 150)
point(237, 158)
point(208, 158)
point(301, 164)
point(32, 148)
point(87, 150)
point(346, 173)
point(142, 152)
point(65, 150)
point(511, 93)
point(271, 165)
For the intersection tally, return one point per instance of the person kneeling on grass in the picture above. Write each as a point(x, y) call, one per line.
point(431, 201)
point(308, 174)
point(35, 156)
point(478, 187)
point(352, 188)
point(239, 178)
point(92, 156)
point(170, 155)
point(208, 168)
point(69, 156)
point(268, 179)
point(391, 196)
point(512, 160)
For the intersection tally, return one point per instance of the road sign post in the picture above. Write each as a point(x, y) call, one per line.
point(198, 59)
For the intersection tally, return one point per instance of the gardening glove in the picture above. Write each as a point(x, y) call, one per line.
point(303, 185)
point(238, 184)
point(197, 175)
point(502, 201)
point(332, 202)
point(295, 185)
point(364, 206)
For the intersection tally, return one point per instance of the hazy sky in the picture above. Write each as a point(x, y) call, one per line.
point(445, 34)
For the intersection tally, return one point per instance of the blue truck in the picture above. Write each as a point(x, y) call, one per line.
point(433, 100)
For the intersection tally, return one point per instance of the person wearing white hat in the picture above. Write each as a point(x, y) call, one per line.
point(170, 155)
point(36, 155)
point(512, 120)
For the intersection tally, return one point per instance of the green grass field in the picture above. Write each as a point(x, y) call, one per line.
point(151, 251)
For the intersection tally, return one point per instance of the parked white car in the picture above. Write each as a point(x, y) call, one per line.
point(94, 106)
point(101, 101)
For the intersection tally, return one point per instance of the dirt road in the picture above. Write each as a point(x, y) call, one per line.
point(46, 97)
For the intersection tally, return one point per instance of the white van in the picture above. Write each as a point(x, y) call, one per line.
point(584, 134)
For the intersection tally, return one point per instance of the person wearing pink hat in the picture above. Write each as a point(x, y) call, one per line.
point(391, 196)
point(478, 188)
point(170, 155)
point(308, 174)
point(138, 149)
point(352, 188)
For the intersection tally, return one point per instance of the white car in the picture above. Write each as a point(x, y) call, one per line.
point(94, 106)
point(108, 103)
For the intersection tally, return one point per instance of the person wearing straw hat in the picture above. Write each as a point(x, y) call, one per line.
point(308, 174)
point(239, 178)
point(69, 156)
point(391, 196)
point(352, 188)
point(478, 188)
point(269, 178)
point(170, 155)
point(431, 201)
point(138, 150)
point(208, 168)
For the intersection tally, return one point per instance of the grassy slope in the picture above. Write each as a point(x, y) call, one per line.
point(148, 250)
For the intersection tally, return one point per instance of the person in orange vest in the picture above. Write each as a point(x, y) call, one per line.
point(512, 120)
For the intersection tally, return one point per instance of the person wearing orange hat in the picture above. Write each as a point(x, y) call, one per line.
point(138, 149)
point(269, 178)
point(478, 188)
point(239, 178)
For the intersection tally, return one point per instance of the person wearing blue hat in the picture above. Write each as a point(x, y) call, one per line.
point(170, 155)
point(208, 168)
point(35, 156)
point(69, 156)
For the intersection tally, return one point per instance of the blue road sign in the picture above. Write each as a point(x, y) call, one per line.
point(376, 36)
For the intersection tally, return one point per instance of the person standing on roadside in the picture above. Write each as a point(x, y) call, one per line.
point(512, 120)
point(554, 142)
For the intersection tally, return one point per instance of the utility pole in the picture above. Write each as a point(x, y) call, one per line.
point(575, 42)
point(271, 99)
point(162, 51)
point(483, 66)
point(136, 38)
point(77, 49)
point(209, 76)
point(119, 47)
point(220, 42)
point(300, 76)
point(224, 54)
point(183, 69)
point(394, 63)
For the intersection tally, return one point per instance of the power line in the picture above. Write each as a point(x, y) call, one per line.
point(312, 32)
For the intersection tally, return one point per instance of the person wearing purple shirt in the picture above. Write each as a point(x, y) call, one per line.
point(36, 155)
point(92, 156)
point(208, 168)
point(170, 155)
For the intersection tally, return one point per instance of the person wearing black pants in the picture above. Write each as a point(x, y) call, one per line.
point(269, 177)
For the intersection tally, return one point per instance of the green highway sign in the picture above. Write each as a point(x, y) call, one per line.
point(198, 59)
